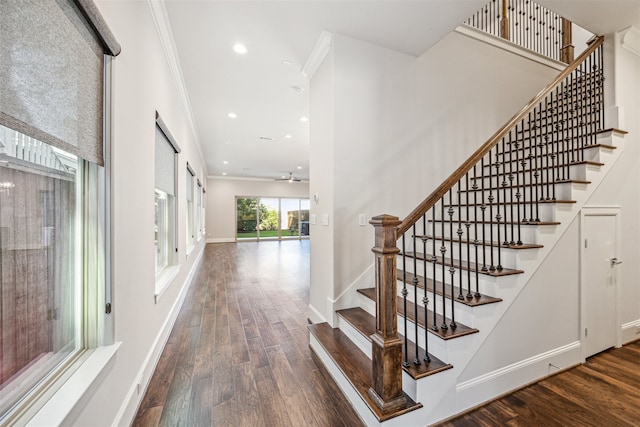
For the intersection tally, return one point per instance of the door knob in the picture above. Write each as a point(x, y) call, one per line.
point(615, 261)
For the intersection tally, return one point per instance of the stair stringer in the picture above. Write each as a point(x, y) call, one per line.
point(441, 394)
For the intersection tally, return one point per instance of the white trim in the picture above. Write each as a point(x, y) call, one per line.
point(630, 39)
point(221, 240)
point(315, 316)
point(630, 331)
point(318, 53)
point(164, 279)
point(501, 43)
point(137, 390)
point(61, 408)
point(165, 34)
point(598, 210)
point(542, 357)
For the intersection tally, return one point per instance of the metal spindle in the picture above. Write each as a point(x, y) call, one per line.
point(443, 252)
point(434, 260)
point(425, 298)
point(416, 360)
point(511, 242)
point(405, 292)
point(504, 193)
point(452, 269)
point(475, 222)
point(460, 287)
point(467, 224)
point(483, 208)
point(492, 267)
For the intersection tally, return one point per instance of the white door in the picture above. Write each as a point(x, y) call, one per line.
point(599, 279)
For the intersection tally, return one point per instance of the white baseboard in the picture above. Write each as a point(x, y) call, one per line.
point(134, 397)
point(630, 331)
point(221, 240)
point(315, 316)
point(483, 388)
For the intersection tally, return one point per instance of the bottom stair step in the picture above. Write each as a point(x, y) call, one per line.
point(366, 325)
point(355, 365)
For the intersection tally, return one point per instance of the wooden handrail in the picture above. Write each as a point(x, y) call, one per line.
point(465, 167)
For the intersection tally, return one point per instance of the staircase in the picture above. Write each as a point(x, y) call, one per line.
point(447, 273)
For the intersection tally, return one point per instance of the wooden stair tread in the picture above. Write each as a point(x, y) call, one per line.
point(446, 334)
point(470, 267)
point(480, 243)
point(471, 302)
point(446, 221)
point(509, 187)
point(366, 325)
point(541, 168)
point(355, 365)
point(528, 202)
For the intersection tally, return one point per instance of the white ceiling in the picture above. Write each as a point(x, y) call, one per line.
point(261, 89)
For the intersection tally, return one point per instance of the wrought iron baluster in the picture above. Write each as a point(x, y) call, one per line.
point(405, 292)
point(467, 224)
point(434, 260)
point(425, 298)
point(483, 208)
point(460, 287)
point(475, 224)
point(416, 360)
point(511, 177)
point(504, 193)
point(452, 268)
point(492, 267)
point(498, 216)
point(443, 252)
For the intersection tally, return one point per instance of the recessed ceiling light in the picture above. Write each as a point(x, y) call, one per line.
point(239, 48)
point(299, 167)
point(304, 119)
point(224, 173)
point(232, 115)
point(225, 162)
point(284, 177)
point(288, 136)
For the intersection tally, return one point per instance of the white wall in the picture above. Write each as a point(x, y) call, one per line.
point(390, 127)
point(221, 201)
point(142, 84)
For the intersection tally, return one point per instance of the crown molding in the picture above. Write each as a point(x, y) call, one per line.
point(630, 39)
point(163, 26)
point(317, 55)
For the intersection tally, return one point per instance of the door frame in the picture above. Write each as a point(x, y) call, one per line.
point(586, 211)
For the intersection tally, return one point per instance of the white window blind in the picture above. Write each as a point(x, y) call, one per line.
point(51, 69)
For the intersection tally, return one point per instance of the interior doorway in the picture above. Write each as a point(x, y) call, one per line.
point(600, 270)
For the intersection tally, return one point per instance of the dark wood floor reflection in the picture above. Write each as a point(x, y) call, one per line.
point(603, 392)
point(239, 352)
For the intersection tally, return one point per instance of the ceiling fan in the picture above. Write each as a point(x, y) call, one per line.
point(291, 178)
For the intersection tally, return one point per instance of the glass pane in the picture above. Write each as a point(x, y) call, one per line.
point(162, 230)
point(268, 213)
point(38, 262)
point(290, 221)
point(304, 216)
point(246, 218)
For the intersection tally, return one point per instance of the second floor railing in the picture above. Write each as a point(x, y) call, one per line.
point(527, 24)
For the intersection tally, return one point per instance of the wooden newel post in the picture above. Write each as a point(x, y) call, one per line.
point(504, 21)
point(567, 51)
point(386, 346)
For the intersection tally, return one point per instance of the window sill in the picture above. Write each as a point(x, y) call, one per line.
point(164, 279)
point(75, 390)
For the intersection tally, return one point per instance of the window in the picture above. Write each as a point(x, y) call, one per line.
point(271, 218)
point(166, 155)
point(191, 238)
point(199, 212)
point(53, 197)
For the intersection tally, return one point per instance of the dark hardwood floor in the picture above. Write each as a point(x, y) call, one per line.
point(603, 392)
point(239, 352)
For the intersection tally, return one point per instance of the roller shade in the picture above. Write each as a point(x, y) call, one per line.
point(51, 72)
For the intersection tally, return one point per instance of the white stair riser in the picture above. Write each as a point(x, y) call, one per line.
point(464, 313)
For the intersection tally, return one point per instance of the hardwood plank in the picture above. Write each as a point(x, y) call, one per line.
point(355, 365)
point(242, 331)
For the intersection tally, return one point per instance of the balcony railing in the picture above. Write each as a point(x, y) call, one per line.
point(527, 24)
